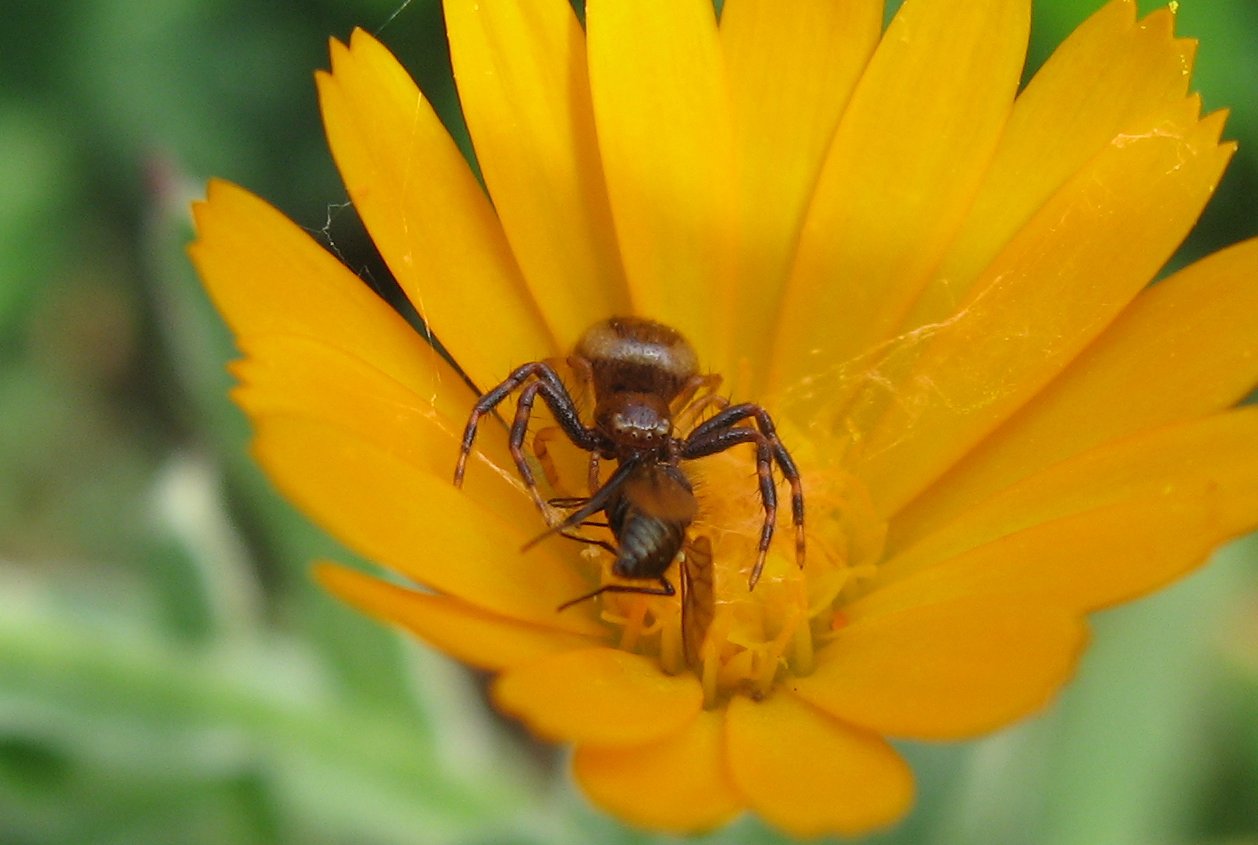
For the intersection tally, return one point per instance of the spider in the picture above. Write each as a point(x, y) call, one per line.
point(644, 376)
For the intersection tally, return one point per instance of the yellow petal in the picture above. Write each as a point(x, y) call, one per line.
point(1217, 454)
point(908, 155)
point(1053, 289)
point(1086, 561)
point(809, 774)
point(1187, 346)
point(664, 129)
point(427, 214)
point(267, 276)
point(523, 86)
point(1110, 76)
point(296, 376)
point(480, 639)
point(946, 670)
point(416, 523)
point(602, 696)
point(791, 70)
point(305, 318)
point(678, 783)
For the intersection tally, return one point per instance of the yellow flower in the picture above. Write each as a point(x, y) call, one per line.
point(937, 288)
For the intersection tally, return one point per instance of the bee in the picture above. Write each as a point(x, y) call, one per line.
point(645, 378)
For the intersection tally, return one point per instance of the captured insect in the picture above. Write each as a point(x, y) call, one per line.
point(645, 379)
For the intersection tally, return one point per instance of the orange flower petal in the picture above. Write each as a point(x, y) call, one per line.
point(427, 214)
point(303, 377)
point(311, 326)
point(1187, 346)
point(522, 83)
point(1053, 289)
point(602, 696)
point(946, 670)
point(267, 276)
point(1210, 463)
point(480, 639)
point(678, 783)
point(1135, 537)
point(1086, 561)
point(665, 132)
point(417, 524)
point(809, 774)
point(1106, 78)
point(908, 155)
point(821, 47)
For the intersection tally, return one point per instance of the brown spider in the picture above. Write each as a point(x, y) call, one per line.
point(643, 373)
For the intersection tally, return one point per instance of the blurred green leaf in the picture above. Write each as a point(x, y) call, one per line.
point(36, 188)
point(109, 706)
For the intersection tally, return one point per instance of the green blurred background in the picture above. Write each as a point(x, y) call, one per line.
point(167, 671)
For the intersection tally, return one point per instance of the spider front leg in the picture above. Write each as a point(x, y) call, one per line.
point(712, 442)
point(519, 430)
point(541, 450)
point(731, 417)
point(556, 396)
point(490, 400)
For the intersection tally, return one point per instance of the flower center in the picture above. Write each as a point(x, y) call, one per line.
point(738, 640)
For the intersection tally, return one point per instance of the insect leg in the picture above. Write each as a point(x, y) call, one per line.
point(602, 544)
point(665, 589)
point(592, 505)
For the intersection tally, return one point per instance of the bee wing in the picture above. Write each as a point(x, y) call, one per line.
point(662, 492)
point(698, 599)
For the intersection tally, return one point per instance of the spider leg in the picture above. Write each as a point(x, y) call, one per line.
point(553, 393)
point(490, 400)
point(691, 388)
point(593, 473)
point(541, 450)
point(519, 429)
point(567, 501)
point(686, 419)
point(735, 414)
point(665, 589)
point(719, 440)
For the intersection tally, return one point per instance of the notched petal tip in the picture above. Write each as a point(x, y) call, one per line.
point(810, 774)
point(677, 784)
